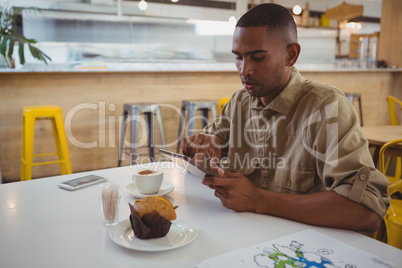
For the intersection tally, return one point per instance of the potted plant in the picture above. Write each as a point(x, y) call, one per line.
point(9, 36)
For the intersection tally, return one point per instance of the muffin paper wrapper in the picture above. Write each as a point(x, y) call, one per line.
point(152, 225)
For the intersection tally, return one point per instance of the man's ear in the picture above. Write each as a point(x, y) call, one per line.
point(292, 53)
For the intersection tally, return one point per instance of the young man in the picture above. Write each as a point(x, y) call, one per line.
point(292, 147)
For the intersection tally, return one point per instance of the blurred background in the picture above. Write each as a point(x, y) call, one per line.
point(96, 32)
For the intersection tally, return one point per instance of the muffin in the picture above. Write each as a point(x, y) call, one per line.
point(151, 217)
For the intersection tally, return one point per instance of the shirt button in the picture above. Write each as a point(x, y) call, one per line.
point(363, 177)
point(289, 182)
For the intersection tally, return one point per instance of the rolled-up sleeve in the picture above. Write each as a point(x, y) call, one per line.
point(354, 175)
point(367, 187)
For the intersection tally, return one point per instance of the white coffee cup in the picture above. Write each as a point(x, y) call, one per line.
point(148, 181)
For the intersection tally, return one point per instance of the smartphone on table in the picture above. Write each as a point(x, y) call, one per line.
point(81, 182)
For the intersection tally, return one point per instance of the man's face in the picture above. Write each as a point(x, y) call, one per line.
point(260, 61)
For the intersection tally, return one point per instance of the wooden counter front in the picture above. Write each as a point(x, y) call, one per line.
point(92, 104)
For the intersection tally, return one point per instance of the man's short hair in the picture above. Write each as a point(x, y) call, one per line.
point(275, 17)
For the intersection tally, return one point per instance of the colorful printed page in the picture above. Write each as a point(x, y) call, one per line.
point(305, 249)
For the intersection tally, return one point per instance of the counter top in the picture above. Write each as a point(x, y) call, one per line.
point(126, 67)
point(173, 67)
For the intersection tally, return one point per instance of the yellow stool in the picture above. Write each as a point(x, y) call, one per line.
point(47, 112)
point(393, 117)
point(385, 151)
point(393, 222)
point(222, 102)
point(393, 217)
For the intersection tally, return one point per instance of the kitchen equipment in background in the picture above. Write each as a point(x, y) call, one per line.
point(140, 52)
point(102, 2)
point(163, 51)
point(372, 51)
point(344, 11)
point(364, 48)
point(341, 13)
point(306, 15)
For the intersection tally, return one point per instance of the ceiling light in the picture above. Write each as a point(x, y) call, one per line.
point(174, 1)
point(232, 20)
point(297, 10)
point(142, 5)
point(351, 25)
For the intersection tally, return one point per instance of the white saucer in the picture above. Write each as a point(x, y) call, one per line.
point(131, 189)
point(181, 233)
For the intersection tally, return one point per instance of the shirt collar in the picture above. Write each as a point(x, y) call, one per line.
point(284, 101)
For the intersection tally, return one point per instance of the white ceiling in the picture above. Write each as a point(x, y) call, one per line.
point(372, 8)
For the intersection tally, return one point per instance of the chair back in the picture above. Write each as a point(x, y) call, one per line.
point(393, 117)
point(222, 102)
point(395, 183)
point(393, 217)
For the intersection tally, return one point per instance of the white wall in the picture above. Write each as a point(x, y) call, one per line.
point(372, 8)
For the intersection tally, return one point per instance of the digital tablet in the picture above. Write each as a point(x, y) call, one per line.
point(188, 164)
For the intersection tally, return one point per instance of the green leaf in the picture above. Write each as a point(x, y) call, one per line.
point(34, 51)
point(21, 53)
point(10, 48)
point(3, 47)
point(9, 37)
point(31, 41)
point(38, 54)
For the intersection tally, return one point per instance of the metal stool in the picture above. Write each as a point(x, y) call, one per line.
point(192, 106)
point(135, 110)
point(47, 112)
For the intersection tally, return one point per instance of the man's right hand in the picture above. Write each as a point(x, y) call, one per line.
point(201, 146)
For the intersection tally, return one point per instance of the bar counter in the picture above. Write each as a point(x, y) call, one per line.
point(179, 66)
point(92, 102)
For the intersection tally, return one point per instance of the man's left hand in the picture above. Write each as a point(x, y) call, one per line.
point(234, 190)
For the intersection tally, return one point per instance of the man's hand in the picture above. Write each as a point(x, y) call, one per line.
point(201, 146)
point(327, 208)
point(234, 190)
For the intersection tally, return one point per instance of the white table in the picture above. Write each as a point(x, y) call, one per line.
point(42, 225)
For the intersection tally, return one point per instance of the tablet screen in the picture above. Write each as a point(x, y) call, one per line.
point(186, 163)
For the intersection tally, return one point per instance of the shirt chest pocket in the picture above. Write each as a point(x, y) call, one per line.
point(294, 179)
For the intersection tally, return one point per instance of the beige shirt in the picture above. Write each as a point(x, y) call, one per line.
point(308, 139)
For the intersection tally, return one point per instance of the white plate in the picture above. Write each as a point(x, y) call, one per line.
point(181, 233)
point(131, 189)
